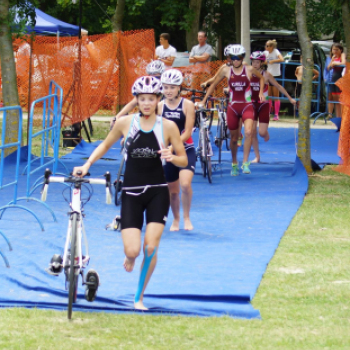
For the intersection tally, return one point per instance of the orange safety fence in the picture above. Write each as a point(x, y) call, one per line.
point(344, 136)
point(99, 79)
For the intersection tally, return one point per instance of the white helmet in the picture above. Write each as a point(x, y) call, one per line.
point(172, 77)
point(155, 67)
point(147, 85)
point(234, 50)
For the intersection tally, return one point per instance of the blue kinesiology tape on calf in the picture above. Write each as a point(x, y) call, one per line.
point(143, 274)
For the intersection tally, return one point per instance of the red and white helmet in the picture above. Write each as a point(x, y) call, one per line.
point(258, 55)
point(234, 50)
point(155, 67)
point(172, 77)
point(147, 85)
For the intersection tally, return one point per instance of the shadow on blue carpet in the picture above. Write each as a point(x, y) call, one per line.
point(213, 270)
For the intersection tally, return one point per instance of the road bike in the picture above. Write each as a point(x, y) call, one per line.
point(222, 132)
point(73, 250)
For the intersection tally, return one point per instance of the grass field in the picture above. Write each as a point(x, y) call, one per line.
point(303, 297)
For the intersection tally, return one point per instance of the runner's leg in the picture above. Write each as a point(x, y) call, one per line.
point(255, 142)
point(186, 196)
point(132, 246)
point(174, 190)
point(153, 235)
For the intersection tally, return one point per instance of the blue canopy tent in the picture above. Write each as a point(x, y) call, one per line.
point(46, 24)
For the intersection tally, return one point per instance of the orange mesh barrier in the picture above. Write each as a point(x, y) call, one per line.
point(194, 75)
point(344, 137)
point(109, 63)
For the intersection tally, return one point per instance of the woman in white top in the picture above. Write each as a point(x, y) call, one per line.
point(273, 57)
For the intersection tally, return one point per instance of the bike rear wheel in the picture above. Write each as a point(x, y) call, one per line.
point(73, 278)
point(208, 157)
point(219, 138)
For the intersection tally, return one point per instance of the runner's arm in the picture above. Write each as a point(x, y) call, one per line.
point(127, 108)
point(172, 136)
point(280, 88)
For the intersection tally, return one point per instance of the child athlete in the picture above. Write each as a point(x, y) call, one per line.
point(144, 188)
point(262, 109)
point(240, 104)
point(182, 112)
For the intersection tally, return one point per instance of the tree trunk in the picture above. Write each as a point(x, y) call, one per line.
point(191, 35)
point(346, 25)
point(304, 152)
point(237, 5)
point(9, 78)
point(117, 19)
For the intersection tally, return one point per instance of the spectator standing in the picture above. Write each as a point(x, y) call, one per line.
point(165, 52)
point(201, 53)
point(273, 58)
point(336, 64)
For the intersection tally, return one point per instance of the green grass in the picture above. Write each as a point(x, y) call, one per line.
point(303, 297)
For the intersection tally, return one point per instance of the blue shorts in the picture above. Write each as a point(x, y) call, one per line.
point(172, 172)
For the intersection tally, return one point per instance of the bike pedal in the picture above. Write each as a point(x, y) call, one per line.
point(92, 282)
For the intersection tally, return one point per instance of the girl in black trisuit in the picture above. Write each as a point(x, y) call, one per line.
point(144, 189)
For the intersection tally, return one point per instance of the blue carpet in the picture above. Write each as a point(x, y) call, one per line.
point(213, 270)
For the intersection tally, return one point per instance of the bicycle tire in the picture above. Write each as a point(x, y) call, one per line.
point(227, 134)
point(219, 137)
point(203, 143)
point(73, 278)
point(119, 182)
point(208, 158)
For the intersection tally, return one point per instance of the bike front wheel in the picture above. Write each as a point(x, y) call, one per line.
point(208, 157)
point(73, 277)
point(219, 138)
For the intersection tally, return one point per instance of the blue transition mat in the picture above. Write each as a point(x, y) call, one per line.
point(213, 270)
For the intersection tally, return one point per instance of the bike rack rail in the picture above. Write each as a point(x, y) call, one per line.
point(13, 203)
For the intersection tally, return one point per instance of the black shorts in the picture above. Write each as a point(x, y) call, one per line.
point(298, 90)
point(172, 172)
point(155, 201)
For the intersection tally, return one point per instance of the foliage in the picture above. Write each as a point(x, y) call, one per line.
point(24, 13)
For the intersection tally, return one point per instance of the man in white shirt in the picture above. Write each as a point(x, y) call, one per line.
point(201, 53)
point(165, 52)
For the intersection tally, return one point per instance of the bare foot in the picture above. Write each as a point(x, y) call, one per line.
point(267, 137)
point(139, 306)
point(255, 160)
point(188, 225)
point(175, 226)
point(129, 264)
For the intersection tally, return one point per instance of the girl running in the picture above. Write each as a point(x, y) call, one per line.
point(181, 111)
point(240, 104)
point(144, 189)
point(273, 58)
point(262, 109)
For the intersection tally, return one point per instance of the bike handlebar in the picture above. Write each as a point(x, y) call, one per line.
point(74, 180)
point(194, 91)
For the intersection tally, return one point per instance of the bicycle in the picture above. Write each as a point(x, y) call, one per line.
point(204, 150)
point(73, 254)
point(222, 132)
point(208, 105)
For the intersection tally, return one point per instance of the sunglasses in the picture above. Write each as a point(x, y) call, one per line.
point(236, 58)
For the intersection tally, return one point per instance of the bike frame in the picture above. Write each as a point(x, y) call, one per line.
point(79, 263)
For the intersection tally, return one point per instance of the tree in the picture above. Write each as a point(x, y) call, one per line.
point(304, 152)
point(117, 19)
point(8, 67)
